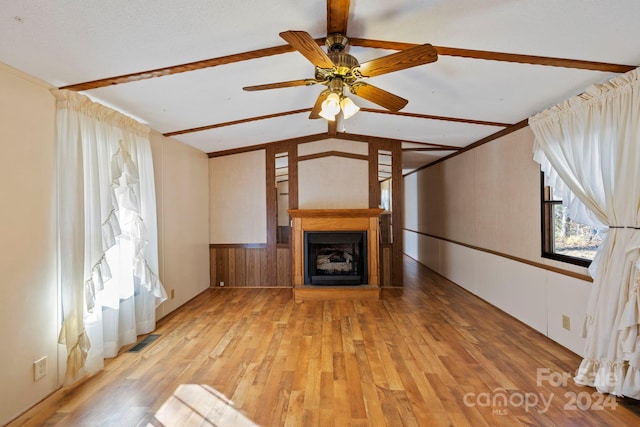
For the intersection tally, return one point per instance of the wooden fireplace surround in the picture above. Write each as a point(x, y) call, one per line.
point(335, 220)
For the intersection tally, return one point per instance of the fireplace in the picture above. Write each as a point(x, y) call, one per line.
point(355, 253)
point(335, 257)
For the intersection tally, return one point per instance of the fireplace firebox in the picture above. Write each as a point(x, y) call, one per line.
point(335, 257)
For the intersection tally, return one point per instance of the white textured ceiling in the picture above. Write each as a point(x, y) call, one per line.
point(66, 42)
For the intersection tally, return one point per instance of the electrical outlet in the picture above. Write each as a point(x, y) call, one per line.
point(221, 284)
point(172, 293)
point(566, 322)
point(39, 368)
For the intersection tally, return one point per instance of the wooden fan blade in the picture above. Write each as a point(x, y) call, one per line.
point(317, 107)
point(337, 16)
point(412, 57)
point(378, 96)
point(307, 46)
point(291, 83)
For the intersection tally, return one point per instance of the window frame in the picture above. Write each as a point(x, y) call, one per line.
point(546, 227)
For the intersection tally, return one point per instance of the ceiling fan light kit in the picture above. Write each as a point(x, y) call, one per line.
point(335, 103)
point(332, 101)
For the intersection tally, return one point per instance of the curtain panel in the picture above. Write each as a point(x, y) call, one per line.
point(589, 149)
point(107, 232)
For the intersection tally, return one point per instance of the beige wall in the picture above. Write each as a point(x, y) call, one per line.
point(333, 182)
point(182, 191)
point(238, 202)
point(489, 198)
point(29, 316)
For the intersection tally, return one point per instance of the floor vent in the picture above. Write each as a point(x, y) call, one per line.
point(143, 343)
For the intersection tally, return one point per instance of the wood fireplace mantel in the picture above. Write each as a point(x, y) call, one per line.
point(335, 220)
point(335, 213)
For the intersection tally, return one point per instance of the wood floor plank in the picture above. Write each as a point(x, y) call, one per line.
point(276, 390)
point(430, 354)
point(295, 409)
point(341, 397)
point(354, 385)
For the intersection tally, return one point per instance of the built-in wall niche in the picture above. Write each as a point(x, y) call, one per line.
point(283, 222)
point(385, 168)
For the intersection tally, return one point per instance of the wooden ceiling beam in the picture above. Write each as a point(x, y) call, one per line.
point(337, 16)
point(305, 110)
point(176, 69)
point(432, 149)
point(500, 56)
point(377, 44)
point(338, 135)
point(296, 140)
point(236, 122)
point(431, 144)
point(332, 127)
point(369, 138)
point(535, 60)
point(432, 117)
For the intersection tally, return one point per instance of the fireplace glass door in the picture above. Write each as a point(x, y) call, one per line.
point(335, 257)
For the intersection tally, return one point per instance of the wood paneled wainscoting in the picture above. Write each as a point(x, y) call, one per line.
point(245, 265)
point(386, 264)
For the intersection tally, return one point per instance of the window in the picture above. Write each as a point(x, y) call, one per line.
point(564, 239)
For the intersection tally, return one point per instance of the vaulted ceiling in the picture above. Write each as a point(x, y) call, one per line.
point(180, 67)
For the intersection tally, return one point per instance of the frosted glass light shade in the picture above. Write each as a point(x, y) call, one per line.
point(349, 108)
point(330, 107)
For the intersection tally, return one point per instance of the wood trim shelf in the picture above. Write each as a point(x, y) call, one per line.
point(334, 220)
point(336, 213)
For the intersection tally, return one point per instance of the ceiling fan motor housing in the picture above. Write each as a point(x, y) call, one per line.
point(336, 42)
point(344, 66)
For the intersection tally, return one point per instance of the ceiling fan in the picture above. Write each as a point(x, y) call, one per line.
point(336, 69)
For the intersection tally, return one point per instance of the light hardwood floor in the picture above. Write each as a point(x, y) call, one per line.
point(430, 354)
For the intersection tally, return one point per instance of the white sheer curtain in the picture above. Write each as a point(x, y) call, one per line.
point(589, 148)
point(107, 227)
